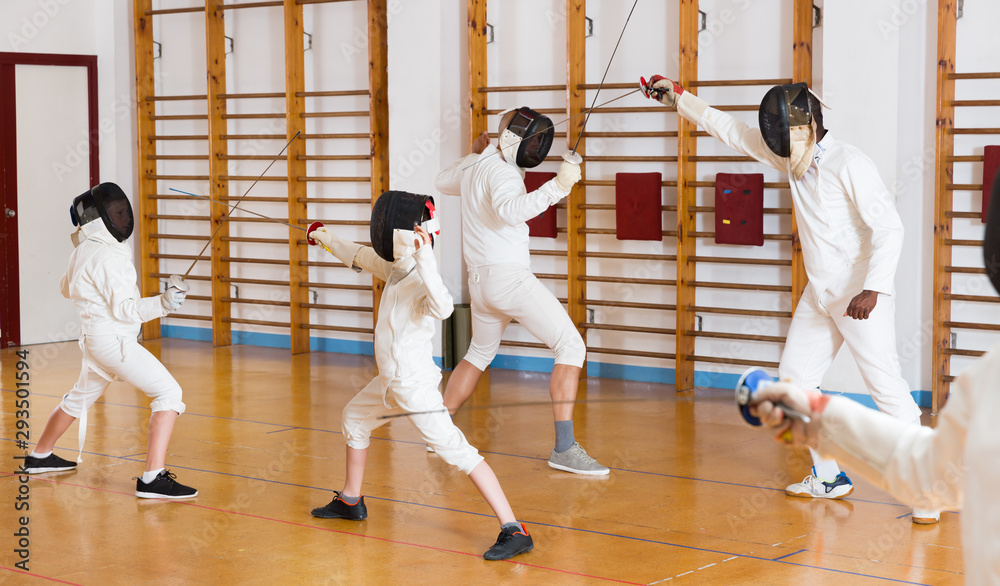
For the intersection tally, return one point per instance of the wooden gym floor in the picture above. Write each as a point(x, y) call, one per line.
point(694, 495)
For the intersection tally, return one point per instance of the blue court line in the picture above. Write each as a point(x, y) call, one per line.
point(521, 456)
point(779, 560)
point(281, 430)
point(788, 555)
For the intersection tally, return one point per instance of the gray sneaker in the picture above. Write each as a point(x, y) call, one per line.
point(577, 461)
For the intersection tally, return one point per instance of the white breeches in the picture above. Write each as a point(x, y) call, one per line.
point(124, 359)
point(504, 292)
point(362, 415)
point(818, 329)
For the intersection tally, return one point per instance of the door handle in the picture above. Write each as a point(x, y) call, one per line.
point(9, 212)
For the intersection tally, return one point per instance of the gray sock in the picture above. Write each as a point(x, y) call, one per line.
point(514, 525)
point(564, 435)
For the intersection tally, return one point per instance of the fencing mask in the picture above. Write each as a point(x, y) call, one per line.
point(108, 203)
point(787, 125)
point(991, 241)
point(394, 215)
point(527, 139)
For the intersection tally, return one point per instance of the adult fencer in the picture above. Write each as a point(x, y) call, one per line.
point(851, 239)
point(495, 207)
point(949, 467)
point(101, 281)
point(414, 296)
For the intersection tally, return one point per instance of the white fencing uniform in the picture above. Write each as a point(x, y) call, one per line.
point(952, 466)
point(851, 239)
point(495, 207)
point(414, 296)
point(101, 281)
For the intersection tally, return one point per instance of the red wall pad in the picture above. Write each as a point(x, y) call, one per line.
point(739, 208)
point(544, 224)
point(639, 206)
point(991, 164)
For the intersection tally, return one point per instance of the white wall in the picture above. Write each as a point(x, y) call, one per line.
point(873, 62)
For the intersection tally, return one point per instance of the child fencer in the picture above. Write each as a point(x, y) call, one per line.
point(414, 296)
point(952, 466)
point(495, 207)
point(101, 281)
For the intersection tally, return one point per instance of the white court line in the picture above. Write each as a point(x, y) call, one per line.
point(708, 566)
point(729, 559)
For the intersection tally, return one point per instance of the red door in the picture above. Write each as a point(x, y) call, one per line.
point(10, 269)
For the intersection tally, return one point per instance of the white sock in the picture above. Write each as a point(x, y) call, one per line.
point(825, 469)
point(150, 476)
point(35, 454)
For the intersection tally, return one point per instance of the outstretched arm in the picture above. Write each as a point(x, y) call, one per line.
point(919, 465)
point(352, 254)
point(736, 134)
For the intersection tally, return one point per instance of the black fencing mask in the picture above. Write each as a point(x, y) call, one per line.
point(527, 139)
point(991, 240)
point(400, 210)
point(786, 124)
point(108, 203)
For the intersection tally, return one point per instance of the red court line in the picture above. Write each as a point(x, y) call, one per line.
point(252, 516)
point(38, 576)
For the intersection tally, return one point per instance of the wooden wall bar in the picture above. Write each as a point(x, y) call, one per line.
point(295, 124)
point(215, 30)
point(477, 68)
point(943, 173)
point(217, 156)
point(145, 110)
point(802, 70)
point(687, 173)
point(576, 215)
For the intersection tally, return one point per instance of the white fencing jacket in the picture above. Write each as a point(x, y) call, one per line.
point(413, 297)
point(101, 281)
point(953, 466)
point(846, 217)
point(495, 207)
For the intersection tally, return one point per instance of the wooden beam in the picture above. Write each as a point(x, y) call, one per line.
point(943, 173)
point(477, 68)
point(802, 70)
point(687, 174)
point(215, 42)
point(295, 123)
point(378, 104)
point(576, 214)
point(146, 186)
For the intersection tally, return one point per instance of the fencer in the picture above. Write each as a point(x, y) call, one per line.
point(851, 239)
point(413, 297)
point(495, 207)
point(101, 281)
point(949, 467)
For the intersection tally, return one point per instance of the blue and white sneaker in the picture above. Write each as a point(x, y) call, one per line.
point(817, 488)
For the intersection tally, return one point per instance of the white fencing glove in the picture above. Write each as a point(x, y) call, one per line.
point(662, 89)
point(176, 292)
point(568, 175)
point(172, 299)
point(767, 402)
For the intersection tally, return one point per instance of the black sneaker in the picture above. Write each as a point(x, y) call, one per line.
point(164, 486)
point(338, 509)
point(512, 541)
point(50, 463)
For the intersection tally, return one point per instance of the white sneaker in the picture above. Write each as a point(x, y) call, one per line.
point(813, 487)
point(926, 516)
